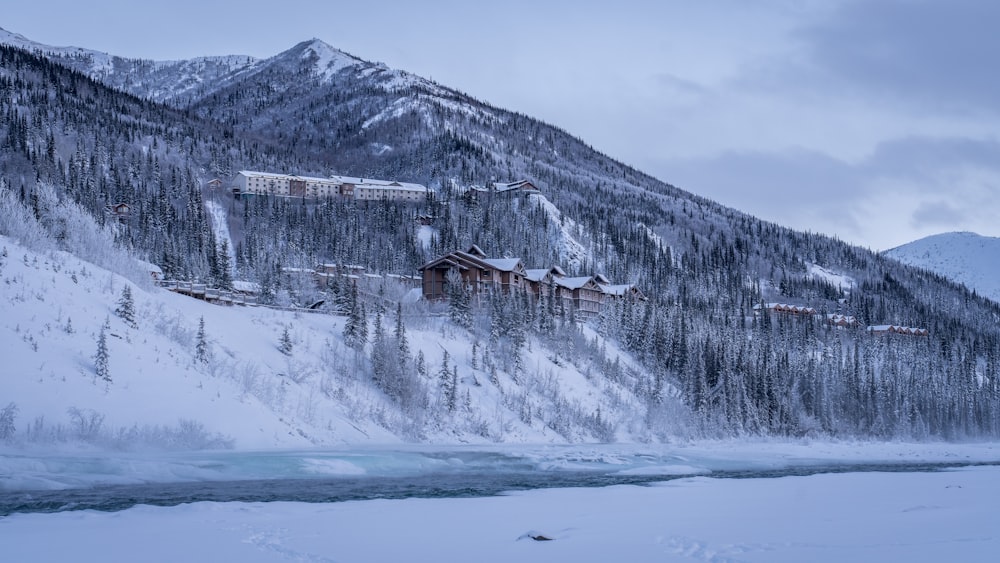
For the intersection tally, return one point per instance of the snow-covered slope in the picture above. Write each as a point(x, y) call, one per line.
point(171, 81)
point(967, 258)
point(86, 61)
point(571, 252)
point(247, 393)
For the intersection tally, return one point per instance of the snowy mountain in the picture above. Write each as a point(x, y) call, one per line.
point(967, 258)
point(175, 81)
point(699, 357)
point(86, 61)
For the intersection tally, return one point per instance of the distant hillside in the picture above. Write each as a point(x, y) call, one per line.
point(967, 258)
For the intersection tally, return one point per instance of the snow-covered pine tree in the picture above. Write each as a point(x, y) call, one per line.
point(448, 382)
point(102, 356)
point(224, 267)
point(459, 300)
point(126, 307)
point(201, 343)
point(7, 416)
point(421, 364)
point(285, 344)
point(356, 327)
point(402, 343)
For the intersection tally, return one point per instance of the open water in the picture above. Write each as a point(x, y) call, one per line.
point(75, 483)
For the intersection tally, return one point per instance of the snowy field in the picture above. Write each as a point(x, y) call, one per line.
point(944, 516)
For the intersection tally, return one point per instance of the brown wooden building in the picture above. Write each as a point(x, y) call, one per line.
point(584, 295)
point(478, 272)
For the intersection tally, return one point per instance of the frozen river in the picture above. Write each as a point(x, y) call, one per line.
point(715, 502)
point(108, 482)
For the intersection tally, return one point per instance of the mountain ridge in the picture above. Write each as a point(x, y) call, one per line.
point(738, 370)
point(965, 257)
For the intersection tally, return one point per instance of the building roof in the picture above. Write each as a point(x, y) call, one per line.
point(150, 267)
point(574, 283)
point(315, 179)
point(898, 329)
point(786, 308)
point(445, 261)
point(246, 286)
point(357, 182)
point(503, 264)
point(262, 174)
point(521, 185)
point(374, 183)
point(616, 290)
point(536, 274)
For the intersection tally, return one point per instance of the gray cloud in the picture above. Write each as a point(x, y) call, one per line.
point(804, 189)
point(936, 54)
point(920, 156)
point(905, 189)
point(936, 214)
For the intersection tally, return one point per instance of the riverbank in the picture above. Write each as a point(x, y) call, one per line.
point(936, 516)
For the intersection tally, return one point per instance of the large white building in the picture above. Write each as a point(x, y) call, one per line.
point(369, 189)
point(285, 185)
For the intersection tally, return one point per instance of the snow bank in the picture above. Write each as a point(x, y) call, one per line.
point(913, 517)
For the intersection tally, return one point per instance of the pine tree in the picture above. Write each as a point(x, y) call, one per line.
point(285, 345)
point(448, 381)
point(381, 370)
point(459, 300)
point(400, 333)
point(421, 364)
point(201, 343)
point(452, 395)
point(101, 358)
point(7, 416)
point(126, 307)
point(363, 316)
point(356, 327)
point(224, 267)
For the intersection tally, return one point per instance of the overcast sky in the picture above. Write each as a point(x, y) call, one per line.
point(872, 120)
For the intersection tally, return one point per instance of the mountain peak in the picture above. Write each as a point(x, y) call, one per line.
point(965, 257)
point(326, 59)
point(87, 61)
point(11, 38)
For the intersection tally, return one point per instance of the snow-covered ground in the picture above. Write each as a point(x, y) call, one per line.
point(571, 251)
point(425, 234)
point(220, 227)
point(967, 258)
point(844, 282)
point(913, 517)
point(244, 391)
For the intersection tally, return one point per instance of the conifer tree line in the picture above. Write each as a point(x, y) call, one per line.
point(703, 266)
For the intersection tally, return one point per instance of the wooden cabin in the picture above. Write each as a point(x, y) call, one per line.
point(583, 294)
point(480, 273)
point(895, 329)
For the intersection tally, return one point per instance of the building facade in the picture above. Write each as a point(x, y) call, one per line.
point(248, 182)
point(584, 296)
